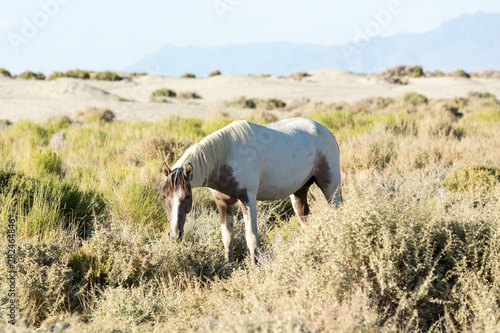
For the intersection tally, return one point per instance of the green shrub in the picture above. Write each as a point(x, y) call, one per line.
point(399, 124)
point(78, 74)
point(58, 124)
point(28, 75)
point(479, 94)
point(414, 99)
point(106, 76)
point(416, 71)
point(262, 117)
point(214, 73)
point(162, 96)
point(4, 72)
point(133, 202)
point(42, 161)
point(265, 75)
point(56, 75)
point(490, 115)
point(91, 263)
point(189, 95)
point(459, 73)
point(273, 103)
point(243, 103)
point(401, 71)
point(93, 113)
point(481, 121)
point(250, 104)
point(371, 104)
point(476, 178)
point(45, 207)
point(188, 76)
point(438, 73)
point(345, 123)
point(18, 188)
point(164, 93)
point(166, 148)
point(30, 133)
point(211, 126)
point(186, 128)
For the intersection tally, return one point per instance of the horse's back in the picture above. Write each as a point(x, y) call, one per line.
point(302, 131)
point(291, 151)
point(297, 124)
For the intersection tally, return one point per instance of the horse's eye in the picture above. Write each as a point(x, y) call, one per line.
point(188, 196)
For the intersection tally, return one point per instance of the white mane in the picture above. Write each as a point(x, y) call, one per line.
point(214, 149)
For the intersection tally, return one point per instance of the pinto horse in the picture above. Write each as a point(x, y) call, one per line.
point(245, 162)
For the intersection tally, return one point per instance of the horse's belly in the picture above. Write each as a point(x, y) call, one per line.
point(283, 181)
point(268, 194)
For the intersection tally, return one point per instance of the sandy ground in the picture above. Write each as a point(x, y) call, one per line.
point(40, 100)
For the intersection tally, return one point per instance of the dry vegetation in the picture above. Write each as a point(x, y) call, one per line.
point(414, 247)
point(402, 74)
point(74, 73)
point(256, 103)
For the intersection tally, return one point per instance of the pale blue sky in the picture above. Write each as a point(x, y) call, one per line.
point(100, 34)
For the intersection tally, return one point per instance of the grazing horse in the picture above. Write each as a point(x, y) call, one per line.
point(245, 162)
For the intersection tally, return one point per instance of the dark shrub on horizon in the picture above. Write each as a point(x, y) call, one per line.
point(29, 75)
point(5, 72)
point(214, 73)
point(459, 73)
point(106, 76)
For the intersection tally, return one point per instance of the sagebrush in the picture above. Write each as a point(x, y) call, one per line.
point(414, 247)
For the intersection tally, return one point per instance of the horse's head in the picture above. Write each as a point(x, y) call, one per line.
point(177, 197)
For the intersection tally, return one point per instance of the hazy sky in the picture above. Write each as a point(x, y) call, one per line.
point(51, 35)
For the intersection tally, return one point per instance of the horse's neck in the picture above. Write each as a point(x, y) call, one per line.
point(199, 178)
point(208, 156)
point(203, 172)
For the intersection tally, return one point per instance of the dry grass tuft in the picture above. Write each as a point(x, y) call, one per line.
point(93, 113)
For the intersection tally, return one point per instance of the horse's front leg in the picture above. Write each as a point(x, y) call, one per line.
point(249, 209)
point(225, 205)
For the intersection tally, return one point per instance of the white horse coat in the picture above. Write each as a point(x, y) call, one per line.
point(244, 162)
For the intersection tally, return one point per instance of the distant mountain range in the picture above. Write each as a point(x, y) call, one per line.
point(470, 42)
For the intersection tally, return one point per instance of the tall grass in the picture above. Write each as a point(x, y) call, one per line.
point(414, 247)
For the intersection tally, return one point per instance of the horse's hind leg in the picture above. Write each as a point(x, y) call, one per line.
point(299, 202)
point(331, 191)
point(327, 177)
point(225, 205)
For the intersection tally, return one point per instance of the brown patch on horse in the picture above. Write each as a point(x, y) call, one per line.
point(322, 172)
point(222, 180)
point(225, 205)
point(300, 200)
point(218, 196)
point(224, 211)
point(168, 195)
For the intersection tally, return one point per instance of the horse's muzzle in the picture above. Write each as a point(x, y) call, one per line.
point(175, 236)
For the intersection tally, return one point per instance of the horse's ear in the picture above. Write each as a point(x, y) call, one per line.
point(188, 171)
point(165, 170)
